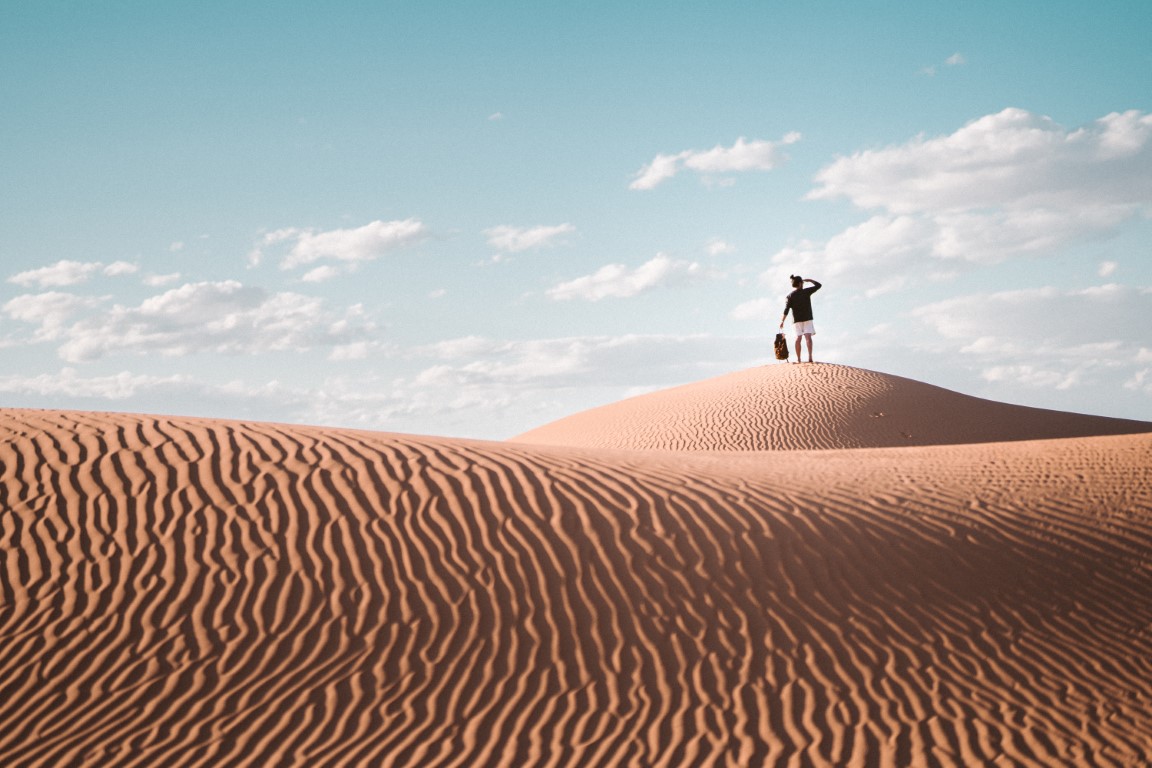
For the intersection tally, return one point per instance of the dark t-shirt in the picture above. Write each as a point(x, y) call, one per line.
point(800, 302)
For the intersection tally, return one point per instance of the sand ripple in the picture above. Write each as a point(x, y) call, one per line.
point(821, 406)
point(186, 592)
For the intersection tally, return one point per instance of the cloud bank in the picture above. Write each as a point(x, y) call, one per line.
point(1006, 185)
point(1035, 337)
point(224, 317)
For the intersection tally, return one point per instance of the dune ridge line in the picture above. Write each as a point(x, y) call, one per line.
point(817, 406)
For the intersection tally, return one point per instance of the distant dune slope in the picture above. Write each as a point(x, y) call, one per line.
point(817, 406)
point(188, 592)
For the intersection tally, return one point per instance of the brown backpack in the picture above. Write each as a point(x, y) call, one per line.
point(781, 347)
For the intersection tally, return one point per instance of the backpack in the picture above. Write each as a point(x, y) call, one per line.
point(781, 347)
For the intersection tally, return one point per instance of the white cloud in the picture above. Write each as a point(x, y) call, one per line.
point(120, 268)
point(158, 281)
point(476, 387)
point(223, 317)
point(1141, 381)
point(68, 383)
point(662, 168)
point(500, 388)
point(872, 254)
point(1107, 268)
point(62, 273)
point(320, 274)
point(464, 346)
point(178, 393)
point(617, 281)
point(1049, 347)
point(955, 60)
point(718, 247)
point(360, 350)
point(744, 155)
point(1034, 377)
point(67, 273)
point(346, 246)
point(1043, 337)
point(1007, 185)
point(510, 239)
point(51, 312)
point(354, 245)
point(762, 309)
point(473, 387)
point(1013, 160)
point(269, 239)
point(629, 360)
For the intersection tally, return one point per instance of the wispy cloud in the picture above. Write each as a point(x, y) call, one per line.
point(743, 155)
point(1034, 337)
point(320, 274)
point(224, 317)
point(719, 247)
point(69, 383)
point(618, 281)
point(474, 386)
point(955, 60)
point(509, 239)
point(346, 247)
point(157, 281)
point(67, 272)
point(760, 309)
point(512, 386)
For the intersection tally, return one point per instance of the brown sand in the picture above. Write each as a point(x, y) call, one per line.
point(817, 406)
point(193, 592)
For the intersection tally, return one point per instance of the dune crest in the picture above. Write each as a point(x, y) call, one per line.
point(812, 407)
point(190, 592)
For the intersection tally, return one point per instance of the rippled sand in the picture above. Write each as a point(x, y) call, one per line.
point(813, 406)
point(195, 592)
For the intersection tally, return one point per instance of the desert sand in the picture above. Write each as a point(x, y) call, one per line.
point(813, 407)
point(791, 565)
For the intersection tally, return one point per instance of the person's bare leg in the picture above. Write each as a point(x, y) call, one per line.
point(798, 360)
point(808, 337)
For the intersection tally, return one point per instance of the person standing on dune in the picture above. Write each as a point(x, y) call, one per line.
point(800, 304)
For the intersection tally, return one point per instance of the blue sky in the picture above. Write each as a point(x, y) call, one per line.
point(471, 218)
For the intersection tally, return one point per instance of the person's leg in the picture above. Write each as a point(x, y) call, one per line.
point(807, 336)
point(798, 338)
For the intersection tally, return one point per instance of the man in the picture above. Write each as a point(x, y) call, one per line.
point(800, 304)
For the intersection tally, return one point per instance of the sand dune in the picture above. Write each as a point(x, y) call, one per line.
point(193, 592)
point(818, 406)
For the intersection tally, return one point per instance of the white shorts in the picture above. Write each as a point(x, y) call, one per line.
point(804, 327)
